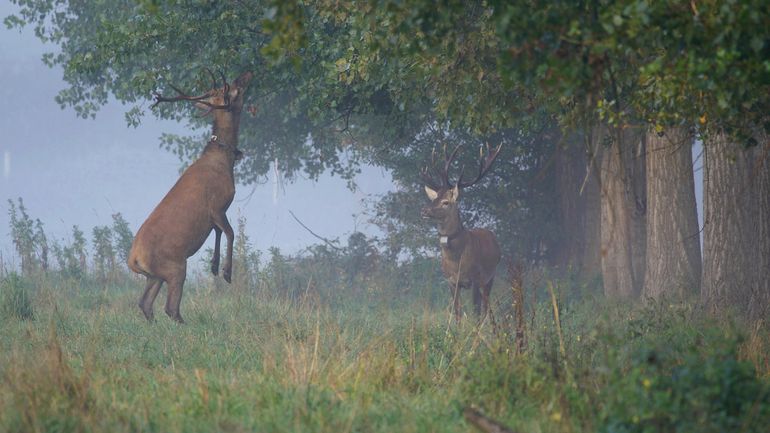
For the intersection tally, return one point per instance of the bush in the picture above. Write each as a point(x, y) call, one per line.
point(689, 393)
point(14, 298)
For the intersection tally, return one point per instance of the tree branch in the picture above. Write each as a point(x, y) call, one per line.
point(328, 242)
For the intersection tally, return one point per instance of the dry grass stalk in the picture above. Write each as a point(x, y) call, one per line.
point(515, 274)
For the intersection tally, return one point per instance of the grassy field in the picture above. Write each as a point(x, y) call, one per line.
point(86, 361)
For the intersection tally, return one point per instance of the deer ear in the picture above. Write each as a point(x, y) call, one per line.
point(454, 193)
point(431, 193)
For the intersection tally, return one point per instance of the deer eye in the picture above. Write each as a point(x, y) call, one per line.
point(444, 203)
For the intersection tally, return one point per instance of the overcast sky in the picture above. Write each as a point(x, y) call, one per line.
point(74, 171)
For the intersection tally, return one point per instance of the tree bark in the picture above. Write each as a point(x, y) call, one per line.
point(673, 264)
point(736, 237)
point(623, 208)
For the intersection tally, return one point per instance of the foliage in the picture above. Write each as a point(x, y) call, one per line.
point(15, 301)
point(666, 62)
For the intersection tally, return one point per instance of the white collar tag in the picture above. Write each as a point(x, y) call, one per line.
point(443, 240)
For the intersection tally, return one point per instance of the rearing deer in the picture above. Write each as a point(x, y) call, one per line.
point(195, 205)
point(469, 258)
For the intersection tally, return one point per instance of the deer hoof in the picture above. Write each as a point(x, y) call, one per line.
point(214, 269)
point(148, 314)
point(175, 316)
point(227, 274)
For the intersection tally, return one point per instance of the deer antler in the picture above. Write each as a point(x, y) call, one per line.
point(429, 174)
point(484, 166)
point(200, 99)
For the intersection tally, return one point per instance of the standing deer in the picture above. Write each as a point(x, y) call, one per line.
point(468, 257)
point(195, 205)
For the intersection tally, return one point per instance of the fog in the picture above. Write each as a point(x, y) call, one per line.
point(71, 171)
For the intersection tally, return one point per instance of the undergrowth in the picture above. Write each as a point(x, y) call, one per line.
point(374, 361)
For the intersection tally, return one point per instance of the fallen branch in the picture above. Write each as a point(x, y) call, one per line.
point(483, 423)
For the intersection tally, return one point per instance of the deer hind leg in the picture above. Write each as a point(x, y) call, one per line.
point(215, 258)
point(220, 221)
point(175, 283)
point(151, 290)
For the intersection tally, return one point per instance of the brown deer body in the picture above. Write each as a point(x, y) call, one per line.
point(469, 258)
point(194, 206)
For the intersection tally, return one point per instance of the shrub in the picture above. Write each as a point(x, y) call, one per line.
point(14, 298)
point(689, 393)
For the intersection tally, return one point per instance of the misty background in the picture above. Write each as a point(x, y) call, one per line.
point(72, 171)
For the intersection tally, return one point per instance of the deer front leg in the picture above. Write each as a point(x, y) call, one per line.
point(455, 288)
point(215, 258)
point(477, 302)
point(221, 222)
point(485, 291)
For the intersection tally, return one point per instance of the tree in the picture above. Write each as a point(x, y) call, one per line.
point(123, 237)
point(23, 235)
point(41, 243)
point(245, 259)
point(673, 263)
point(132, 49)
point(104, 253)
point(736, 261)
point(668, 64)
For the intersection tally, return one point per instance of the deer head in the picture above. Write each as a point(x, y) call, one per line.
point(224, 102)
point(444, 195)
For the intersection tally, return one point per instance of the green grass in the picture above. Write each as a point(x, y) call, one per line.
point(376, 362)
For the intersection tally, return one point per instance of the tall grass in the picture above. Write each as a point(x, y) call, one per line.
point(373, 361)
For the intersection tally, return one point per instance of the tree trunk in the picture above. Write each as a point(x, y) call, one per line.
point(578, 189)
point(568, 163)
point(673, 265)
point(623, 207)
point(736, 190)
point(759, 306)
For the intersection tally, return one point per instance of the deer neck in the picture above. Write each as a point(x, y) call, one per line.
point(226, 125)
point(225, 128)
point(450, 230)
